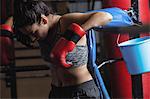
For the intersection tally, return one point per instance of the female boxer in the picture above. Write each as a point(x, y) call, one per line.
point(62, 40)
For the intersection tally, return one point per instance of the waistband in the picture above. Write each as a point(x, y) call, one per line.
point(83, 86)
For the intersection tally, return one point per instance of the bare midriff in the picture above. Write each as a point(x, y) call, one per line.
point(68, 77)
point(71, 76)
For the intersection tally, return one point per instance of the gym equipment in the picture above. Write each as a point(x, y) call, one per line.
point(136, 55)
point(7, 56)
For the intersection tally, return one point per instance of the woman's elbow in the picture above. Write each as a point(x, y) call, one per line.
point(108, 16)
point(104, 18)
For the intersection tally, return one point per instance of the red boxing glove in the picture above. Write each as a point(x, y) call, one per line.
point(6, 27)
point(66, 44)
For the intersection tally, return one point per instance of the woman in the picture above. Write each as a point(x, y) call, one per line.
point(70, 76)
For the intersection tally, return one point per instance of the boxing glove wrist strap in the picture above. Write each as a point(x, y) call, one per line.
point(74, 33)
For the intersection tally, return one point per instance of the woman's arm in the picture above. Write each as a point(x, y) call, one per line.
point(74, 34)
point(87, 20)
point(97, 19)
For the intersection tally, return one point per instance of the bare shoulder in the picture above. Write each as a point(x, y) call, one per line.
point(69, 18)
point(74, 17)
point(78, 14)
point(82, 17)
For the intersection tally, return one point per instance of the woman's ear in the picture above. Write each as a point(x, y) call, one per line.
point(44, 19)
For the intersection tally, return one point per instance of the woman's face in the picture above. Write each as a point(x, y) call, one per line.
point(37, 30)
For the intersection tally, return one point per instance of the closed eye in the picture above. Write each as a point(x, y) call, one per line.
point(32, 36)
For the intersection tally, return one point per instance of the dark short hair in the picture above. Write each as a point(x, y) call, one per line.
point(27, 12)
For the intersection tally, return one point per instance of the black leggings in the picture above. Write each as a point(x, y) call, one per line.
point(86, 90)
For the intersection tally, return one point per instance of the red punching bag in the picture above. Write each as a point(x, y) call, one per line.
point(6, 46)
point(144, 15)
point(7, 55)
point(120, 79)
